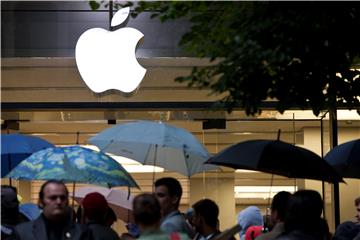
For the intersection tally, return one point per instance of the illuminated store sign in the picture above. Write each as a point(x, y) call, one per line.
point(106, 59)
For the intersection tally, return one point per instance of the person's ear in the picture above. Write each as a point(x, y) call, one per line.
point(274, 215)
point(175, 199)
point(40, 203)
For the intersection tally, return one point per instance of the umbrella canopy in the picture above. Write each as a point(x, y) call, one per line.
point(345, 158)
point(16, 147)
point(120, 201)
point(155, 143)
point(276, 157)
point(73, 164)
point(30, 210)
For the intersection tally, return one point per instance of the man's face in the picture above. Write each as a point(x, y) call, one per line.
point(358, 213)
point(197, 222)
point(167, 202)
point(55, 201)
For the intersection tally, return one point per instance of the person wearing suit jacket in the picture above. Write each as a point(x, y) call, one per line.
point(55, 222)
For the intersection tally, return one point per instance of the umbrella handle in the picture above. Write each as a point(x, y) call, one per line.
point(77, 137)
point(128, 212)
point(278, 134)
point(9, 165)
point(153, 180)
point(73, 197)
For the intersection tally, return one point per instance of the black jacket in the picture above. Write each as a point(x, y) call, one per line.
point(102, 232)
point(36, 230)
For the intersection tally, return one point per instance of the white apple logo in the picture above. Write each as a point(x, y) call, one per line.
point(106, 59)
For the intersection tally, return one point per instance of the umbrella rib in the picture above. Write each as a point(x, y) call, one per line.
point(186, 163)
point(107, 145)
point(169, 140)
point(155, 156)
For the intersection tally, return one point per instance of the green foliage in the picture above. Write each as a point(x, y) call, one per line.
point(94, 5)
point(297, 53)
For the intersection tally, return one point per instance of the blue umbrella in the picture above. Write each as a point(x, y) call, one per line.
point(345, 158)
point(155, 143)
point(30, 210)
point(16, 147)
point(73, 164)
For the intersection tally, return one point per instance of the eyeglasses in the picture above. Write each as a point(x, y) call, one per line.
point(54, 197)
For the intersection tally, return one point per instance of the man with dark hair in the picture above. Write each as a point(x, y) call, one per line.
point(205, 219)
point(168, 191)
point(278, 212)
point(206, 222)
point(147, 211)
point(55, 222)
point(51, 181)
point(147, 215)
point(303, 219)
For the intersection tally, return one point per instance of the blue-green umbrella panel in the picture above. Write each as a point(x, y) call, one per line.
point(73, 164)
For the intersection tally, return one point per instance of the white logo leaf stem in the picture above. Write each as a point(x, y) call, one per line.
point(120, 16)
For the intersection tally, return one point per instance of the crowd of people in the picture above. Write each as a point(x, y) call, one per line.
point(156, 216)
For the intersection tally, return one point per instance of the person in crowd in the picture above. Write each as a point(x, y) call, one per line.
point(189, 214)
point(250, 216)
point(133, 231)
point(206, 219)
point(303, 219)
point(55, 221)
point(277, 215)
point(95, 209)
point(253, 232)
point(349, 229)
point(10, 215)
point(147, 215)
point(168, 192)
point(79, 214)
point(357, 206)
point(110, 217)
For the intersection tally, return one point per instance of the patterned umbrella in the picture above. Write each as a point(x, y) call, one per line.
point(73, 164)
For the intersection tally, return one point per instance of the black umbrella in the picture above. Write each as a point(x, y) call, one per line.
point(345, 158)
point(276, 157)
